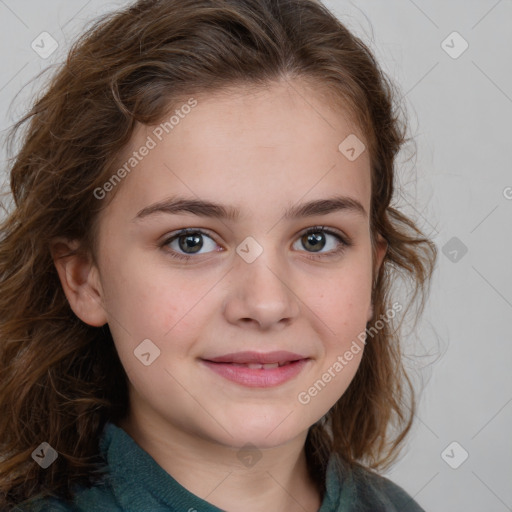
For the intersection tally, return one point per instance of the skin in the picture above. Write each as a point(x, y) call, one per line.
point(261, 151)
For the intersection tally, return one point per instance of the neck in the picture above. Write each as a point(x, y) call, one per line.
point(268, 479)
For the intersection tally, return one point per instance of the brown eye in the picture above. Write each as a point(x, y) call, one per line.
point(321, 242)
point(190, 244)
point(313, 241)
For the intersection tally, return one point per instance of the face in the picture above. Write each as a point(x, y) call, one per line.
point(275, 266)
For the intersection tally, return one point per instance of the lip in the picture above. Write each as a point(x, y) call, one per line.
point(229, 367)
point(278, 356)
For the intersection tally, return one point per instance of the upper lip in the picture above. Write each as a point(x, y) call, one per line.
point(279, 356)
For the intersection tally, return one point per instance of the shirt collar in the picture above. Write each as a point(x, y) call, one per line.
point(139, 483)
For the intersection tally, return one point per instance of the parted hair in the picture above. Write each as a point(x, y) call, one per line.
point(60, 379)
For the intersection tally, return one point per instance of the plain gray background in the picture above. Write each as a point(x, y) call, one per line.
point(458, 188)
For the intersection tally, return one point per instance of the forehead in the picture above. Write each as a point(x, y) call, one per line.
point(247, 147)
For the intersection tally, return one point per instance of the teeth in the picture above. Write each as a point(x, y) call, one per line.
point(259, 366)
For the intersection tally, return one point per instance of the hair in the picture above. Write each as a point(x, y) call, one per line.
point(61, 380)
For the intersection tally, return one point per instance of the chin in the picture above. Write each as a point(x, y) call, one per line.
point(245, 440)
point(261, 433)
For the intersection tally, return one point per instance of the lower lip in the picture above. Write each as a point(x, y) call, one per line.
point(257, 377)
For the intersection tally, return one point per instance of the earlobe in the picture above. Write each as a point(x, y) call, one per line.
point(370, 312)
point(80, 282)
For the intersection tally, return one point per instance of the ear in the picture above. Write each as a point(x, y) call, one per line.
point(80, 281)
point(379, 252)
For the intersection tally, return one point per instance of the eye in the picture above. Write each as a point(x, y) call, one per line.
point(325, 242)
point(318, 241)
point(189, 242)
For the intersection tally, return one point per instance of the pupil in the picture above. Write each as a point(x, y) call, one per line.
point(316, 241)
point(190, 243)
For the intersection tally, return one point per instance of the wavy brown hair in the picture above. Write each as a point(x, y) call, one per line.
point(60, 379)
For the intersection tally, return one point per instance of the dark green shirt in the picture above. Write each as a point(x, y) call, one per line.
point(136, 483)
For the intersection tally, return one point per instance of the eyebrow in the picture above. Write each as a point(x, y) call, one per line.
point(203, 208)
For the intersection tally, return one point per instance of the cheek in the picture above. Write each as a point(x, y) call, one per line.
point(342, 306)
point(150, 317)
point(343, 310)
point(146, 297)
point(342, 301)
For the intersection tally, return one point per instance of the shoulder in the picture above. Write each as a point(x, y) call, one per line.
point(45, 505)
point(82, 503)
point(98, 498)
point(355, 488)
point(377, 489)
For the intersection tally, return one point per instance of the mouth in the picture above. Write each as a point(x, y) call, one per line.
point(278, 357)
point(262, 366)
point(255, 369)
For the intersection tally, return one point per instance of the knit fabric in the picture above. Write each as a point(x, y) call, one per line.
point(134, 482)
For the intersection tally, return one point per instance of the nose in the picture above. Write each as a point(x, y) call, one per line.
point(260, 296)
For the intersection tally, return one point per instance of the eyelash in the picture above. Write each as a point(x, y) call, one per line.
point(344, 242)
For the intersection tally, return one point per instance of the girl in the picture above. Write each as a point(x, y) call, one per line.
point(197, 310)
